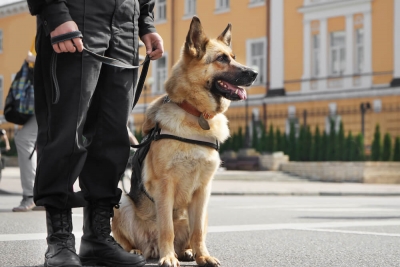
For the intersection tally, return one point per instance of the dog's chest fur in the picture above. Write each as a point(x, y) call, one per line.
point(187, 166)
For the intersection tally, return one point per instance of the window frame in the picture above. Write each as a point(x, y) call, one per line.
point(339, 49)
point(357, 56)
point(222, 6)
point(256, 3)
point(190, 11)
point(1, 41)
point(316, 56)
point(262, 70)
point(157, 75)
point(157, 15)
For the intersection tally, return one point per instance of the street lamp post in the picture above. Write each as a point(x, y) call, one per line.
point(363, 108)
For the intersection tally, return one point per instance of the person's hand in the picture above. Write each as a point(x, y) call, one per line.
point(30, 58)
point(154, 45)
point(68, 45)
point(8, 148)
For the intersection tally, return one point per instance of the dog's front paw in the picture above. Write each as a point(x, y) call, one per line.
point(186, 255)
point(207, 261)
point(169, 261)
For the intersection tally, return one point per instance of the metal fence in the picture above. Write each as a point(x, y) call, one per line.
point(362, 118)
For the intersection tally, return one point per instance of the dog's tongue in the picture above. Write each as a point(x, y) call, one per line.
point(237, 90)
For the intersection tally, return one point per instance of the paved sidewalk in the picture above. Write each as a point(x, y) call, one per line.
point(253, 183)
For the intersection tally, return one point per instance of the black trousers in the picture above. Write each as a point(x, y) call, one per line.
point(84, 135)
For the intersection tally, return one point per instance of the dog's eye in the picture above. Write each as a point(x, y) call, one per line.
point(223, 58)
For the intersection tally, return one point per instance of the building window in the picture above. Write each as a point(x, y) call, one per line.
point(256, 58)
point(254, 3)
point(338, 53)
point(221, 5)
point(359, 57)
point(1, 41)
point(316, 55)
point(160, 75)
point(161, 10)
point(377, 105)
point(190, 7)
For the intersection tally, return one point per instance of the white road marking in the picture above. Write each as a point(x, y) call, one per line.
point(350, 232)
point(360, 209)
point(289, 226)
point(311, 207)
point(256, 227)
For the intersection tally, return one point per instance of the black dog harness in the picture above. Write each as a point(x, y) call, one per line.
point(137, 186)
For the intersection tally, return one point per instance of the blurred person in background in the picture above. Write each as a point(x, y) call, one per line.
point(25, 141)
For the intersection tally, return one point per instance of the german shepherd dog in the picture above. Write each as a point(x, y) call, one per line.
point(169, 220)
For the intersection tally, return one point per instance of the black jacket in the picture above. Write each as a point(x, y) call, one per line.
point(55, 12)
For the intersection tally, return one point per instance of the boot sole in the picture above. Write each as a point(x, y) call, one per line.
point(99, 262)
point(46, 265)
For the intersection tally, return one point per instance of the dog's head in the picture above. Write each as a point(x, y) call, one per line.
point(208, 71)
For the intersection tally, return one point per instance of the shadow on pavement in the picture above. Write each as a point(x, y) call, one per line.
point(3, 192)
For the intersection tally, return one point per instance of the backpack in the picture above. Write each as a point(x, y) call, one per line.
point(19, 106)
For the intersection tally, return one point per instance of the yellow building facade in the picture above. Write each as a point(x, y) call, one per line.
point(318, 60)
point(17, 32)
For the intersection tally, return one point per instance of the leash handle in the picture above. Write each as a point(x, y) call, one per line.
point(103, 59)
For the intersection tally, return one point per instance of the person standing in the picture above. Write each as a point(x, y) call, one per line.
point(81, 109)
point(25, 140)
point(3, 135)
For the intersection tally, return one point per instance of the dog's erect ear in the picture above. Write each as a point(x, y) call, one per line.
point(226, 35)
point(196, 39)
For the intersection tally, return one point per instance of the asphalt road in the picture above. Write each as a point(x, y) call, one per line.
point(253, 231)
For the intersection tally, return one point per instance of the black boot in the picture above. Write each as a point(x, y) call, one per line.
point(60, 240)
point(98, 247)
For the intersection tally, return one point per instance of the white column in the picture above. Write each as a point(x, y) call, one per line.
point(276, 48)
point(396, 39)
point(323, 31)
point(367, 80)
point(305, 85)
point(348, 81)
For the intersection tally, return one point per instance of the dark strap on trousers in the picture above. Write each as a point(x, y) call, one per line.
point(106, 60)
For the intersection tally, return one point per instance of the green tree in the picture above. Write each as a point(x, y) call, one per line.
point(263, 139)
point(292, 143)
point(350, 148)
point(396, 152)
point(255, 140)
point(359, 154)
point(340, 144)
point(332, 139)
point(279, 141)
point(316, 146)
point(239, 139)
point(285, 144)
point(271, 139)
point(139, 136)
point(376, 151)
point(387, 147)
point(300, 148)
point(324, 148)
point(308, 144)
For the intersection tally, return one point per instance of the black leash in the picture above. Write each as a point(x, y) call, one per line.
point(103, 59)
